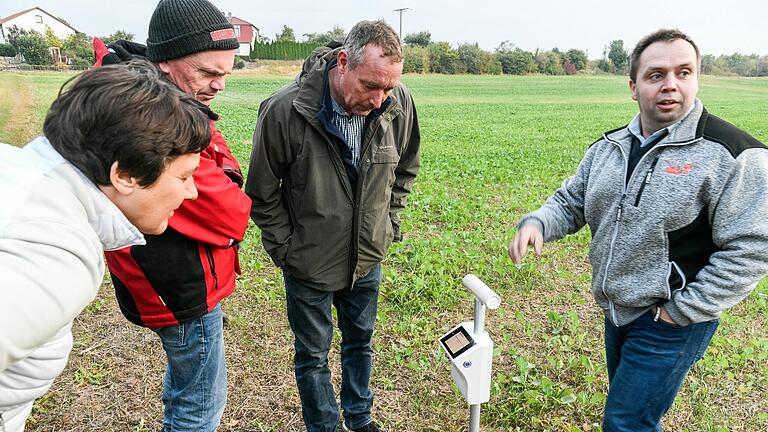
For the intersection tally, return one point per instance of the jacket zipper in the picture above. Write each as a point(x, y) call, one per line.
point(611, 305)
point(615, 235)
point(212, 265)
point(648, 175)
point(356, 206)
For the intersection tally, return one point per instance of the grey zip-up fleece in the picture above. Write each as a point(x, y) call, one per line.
point(688, 228)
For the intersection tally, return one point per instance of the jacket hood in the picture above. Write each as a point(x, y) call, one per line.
point(320, 54)
point(311, 80)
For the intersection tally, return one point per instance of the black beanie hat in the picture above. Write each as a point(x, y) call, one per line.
point(183, 27)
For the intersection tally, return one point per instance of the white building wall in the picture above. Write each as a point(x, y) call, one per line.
point(244, 50)
point(28, 21)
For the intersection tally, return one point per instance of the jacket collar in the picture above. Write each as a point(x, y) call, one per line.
point(108, 222)
point(685, 131)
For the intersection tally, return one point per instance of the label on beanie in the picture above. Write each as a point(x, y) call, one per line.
point(222, 34)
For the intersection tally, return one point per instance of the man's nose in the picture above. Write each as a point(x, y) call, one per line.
point(378, 99)
point(218, 84)
point(669, 83)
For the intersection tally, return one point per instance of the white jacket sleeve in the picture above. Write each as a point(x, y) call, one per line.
point(51, 266)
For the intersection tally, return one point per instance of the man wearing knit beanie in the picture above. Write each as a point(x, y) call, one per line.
point(173, 284)
point(194, 44)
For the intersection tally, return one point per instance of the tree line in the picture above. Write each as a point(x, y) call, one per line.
point(422, 54)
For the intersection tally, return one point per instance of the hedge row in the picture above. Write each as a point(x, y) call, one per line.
point(283, 50)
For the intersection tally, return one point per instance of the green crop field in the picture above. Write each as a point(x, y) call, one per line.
point(493, 149)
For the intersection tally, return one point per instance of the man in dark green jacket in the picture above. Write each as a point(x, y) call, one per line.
point(335, 154)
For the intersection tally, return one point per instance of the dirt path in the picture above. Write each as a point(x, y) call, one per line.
point(17, 109)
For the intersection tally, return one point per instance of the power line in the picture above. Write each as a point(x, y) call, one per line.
point(401, 19)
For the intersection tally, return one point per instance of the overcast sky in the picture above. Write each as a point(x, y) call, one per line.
point(719, 27)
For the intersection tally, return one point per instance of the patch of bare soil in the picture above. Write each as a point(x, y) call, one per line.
point(113, 381)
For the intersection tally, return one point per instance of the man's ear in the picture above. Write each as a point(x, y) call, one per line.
point(633, 89)
point(164, 67)
point(342, 61)
point(121, 181)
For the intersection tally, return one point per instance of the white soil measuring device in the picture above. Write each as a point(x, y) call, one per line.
point(471, 351)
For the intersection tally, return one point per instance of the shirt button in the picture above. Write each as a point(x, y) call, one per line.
point(367, 161)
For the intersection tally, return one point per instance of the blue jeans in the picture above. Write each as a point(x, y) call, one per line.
point(195, 388)
point(309, 314)
point(647, 363)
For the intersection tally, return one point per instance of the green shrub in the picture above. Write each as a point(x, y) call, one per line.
point(81, 64)
point(442, 58)
point(283, 50)
point(577, 57)
point(416, 59)
point(515, 61)
point(604, 65)
point(7, 50)
point(78, 46)
point(34, 48)
point(491, 65)
point(471, 56)
point(549, 63)
point(422, 39)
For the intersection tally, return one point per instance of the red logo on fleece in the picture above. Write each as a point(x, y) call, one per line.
point(222, 34)
point(680, 169)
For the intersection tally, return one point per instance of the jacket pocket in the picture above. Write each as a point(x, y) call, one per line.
point(212, 266)
point(675, 279)
point(376, 236)
point(171, 336)
point(386, 151)
point(379, 179)
point(690, 248)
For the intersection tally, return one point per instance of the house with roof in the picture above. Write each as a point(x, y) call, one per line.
point(38, 20)
point(247, 34)
point(35, 19)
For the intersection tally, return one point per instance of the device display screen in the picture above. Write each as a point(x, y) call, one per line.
point(457, 341)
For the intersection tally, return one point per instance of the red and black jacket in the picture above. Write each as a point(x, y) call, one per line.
point(183, 273)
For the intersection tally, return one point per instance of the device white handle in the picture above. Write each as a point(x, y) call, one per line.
point(486, 295)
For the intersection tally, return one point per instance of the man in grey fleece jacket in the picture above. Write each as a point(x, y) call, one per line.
point(677, 205)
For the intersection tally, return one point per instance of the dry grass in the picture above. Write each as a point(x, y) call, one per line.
point(114, 378)
point(271, 67)
point(17, 109)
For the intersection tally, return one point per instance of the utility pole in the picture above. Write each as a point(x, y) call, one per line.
point(401, 19)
